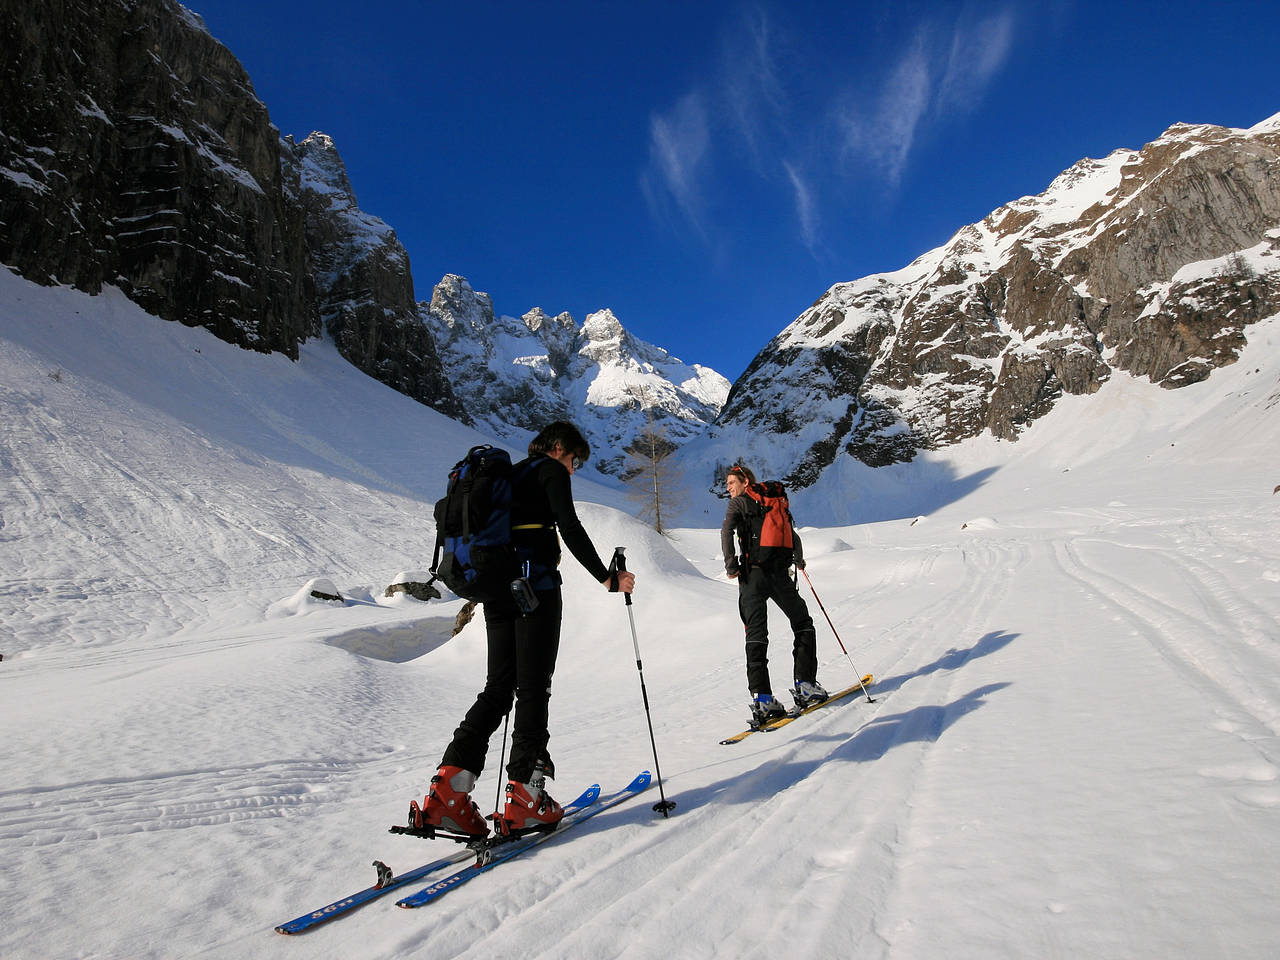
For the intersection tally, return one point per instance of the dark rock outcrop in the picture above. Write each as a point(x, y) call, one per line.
point(134, 152)
point(364, 282)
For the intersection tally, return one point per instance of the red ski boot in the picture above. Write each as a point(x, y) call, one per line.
point(449, 806)
point(529, 807)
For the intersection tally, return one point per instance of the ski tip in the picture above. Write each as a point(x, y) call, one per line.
point(641, 782)
point(588, 797)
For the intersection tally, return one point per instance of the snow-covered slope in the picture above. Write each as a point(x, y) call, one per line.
point(1072, 750)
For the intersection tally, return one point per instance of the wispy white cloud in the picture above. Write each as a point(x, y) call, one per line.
point(761, 113)
point(806, 207)
point(914, 97)
point(978, 52)
point(751, 84)
point(679, 140)
point(885, 134)
point(744, 100)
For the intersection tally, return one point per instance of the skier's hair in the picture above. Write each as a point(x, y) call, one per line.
point(743, 472)
point(565, 434)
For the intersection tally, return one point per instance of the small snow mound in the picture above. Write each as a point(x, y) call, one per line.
point(411, 576)
point(818, 542)
point(980, 523)
point(318, 591)
point(321, 585)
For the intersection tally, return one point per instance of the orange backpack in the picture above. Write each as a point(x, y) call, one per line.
point(769, 534)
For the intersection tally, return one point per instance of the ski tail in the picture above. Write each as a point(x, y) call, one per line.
point(387, 882)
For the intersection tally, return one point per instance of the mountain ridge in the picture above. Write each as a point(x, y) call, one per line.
point(1153, 261)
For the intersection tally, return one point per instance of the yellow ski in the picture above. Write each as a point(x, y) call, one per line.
point(783, 721)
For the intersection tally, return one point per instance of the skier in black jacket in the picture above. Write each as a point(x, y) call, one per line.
point(758, 583)
point(523, 646)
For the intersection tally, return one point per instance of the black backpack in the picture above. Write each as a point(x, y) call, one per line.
point(474, 556)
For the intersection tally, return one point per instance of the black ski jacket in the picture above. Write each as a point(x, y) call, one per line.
point(542, 503)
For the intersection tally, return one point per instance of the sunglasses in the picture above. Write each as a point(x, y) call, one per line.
point(577, 463)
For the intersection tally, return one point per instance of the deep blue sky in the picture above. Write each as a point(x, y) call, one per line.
point(708, 169)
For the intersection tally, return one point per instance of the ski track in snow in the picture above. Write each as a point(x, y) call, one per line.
point(74, 812)
point(1238, 673)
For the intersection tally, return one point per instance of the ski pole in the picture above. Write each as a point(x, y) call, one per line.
point(837, 635)
point(502, 759)
point(663, 806)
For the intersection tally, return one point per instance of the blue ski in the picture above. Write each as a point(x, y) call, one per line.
point(510, 851)
point(388, 883)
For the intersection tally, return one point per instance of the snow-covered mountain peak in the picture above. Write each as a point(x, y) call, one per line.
point(605, 341)
point(602, 325)
point(322, 177)
point(1268, 125)
point(461, 310)
point(321, 168)
point(363, 280)
point(515, 375)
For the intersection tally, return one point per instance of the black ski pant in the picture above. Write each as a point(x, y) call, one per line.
point(757, 585)
point(522, 658)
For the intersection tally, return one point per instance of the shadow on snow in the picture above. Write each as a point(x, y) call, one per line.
point(872, 740)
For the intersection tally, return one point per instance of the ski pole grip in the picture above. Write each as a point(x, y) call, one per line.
point(619, 563)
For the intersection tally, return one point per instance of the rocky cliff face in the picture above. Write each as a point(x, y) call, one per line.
point(134, 152)
point(516, 375)
point(1152, 261)
point(363, 280)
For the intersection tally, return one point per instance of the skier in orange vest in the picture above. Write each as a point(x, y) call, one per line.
point(759, 515)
